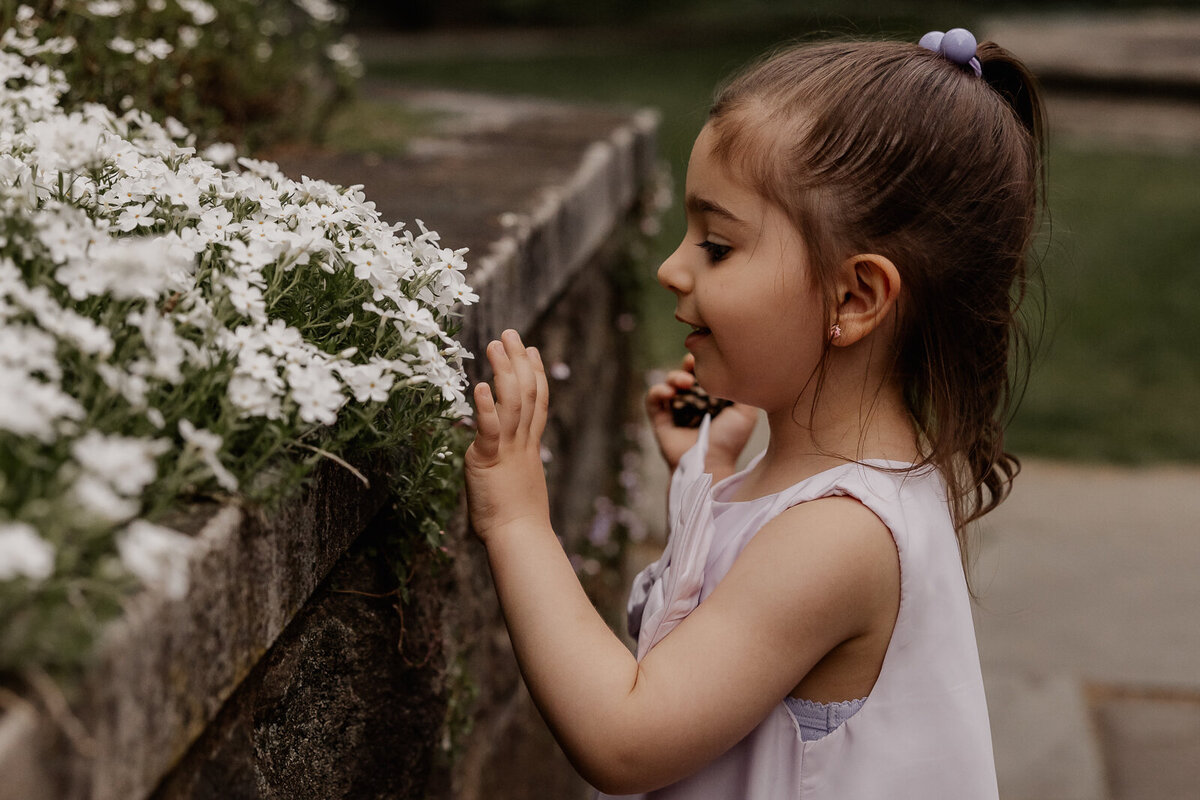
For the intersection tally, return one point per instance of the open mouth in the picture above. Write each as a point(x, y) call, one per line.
point(698, 333)
point(696, 329)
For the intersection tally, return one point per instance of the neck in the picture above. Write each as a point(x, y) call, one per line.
point(847, 426)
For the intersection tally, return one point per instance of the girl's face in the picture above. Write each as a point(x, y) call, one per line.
point(742, 282)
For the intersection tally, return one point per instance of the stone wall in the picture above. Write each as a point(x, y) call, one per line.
point(296, 668)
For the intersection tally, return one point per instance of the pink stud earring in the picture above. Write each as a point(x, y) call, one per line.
point(835, 332)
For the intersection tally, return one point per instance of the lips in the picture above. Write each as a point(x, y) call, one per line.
point(698, 333)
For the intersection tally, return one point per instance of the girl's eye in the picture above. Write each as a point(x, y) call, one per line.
point(715, 251)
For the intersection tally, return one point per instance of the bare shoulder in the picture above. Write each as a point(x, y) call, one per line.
point(831, 560)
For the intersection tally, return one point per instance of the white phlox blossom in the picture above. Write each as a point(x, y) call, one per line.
point(121, 45)
point(33, 407)
point(68, 144)
point(370, 383)
point(202, 13)
point(157, 556)
point(167, 351)
point(207, 446)
point(110, 473)
point(320, 10)
point(140, 267)
point(106, 8)
point(24, 554)
point(316, 392)
point(127, 463)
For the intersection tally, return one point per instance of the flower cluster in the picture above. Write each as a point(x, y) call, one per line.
point(169, 328)
point(225, 68)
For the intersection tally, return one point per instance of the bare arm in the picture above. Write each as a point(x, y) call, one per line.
point(806, 583)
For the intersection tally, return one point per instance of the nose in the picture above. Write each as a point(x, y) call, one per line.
point(674, 274)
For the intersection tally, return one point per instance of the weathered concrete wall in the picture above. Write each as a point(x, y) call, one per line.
point(294, 668)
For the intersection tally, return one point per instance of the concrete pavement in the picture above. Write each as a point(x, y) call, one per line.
point(1089, 588)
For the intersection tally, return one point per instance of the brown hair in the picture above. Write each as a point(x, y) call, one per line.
point(889, 148)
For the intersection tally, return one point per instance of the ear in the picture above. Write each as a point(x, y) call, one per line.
point(867, 287)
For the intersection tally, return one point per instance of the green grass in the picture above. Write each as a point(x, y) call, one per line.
point(380, 127)
point(1119, 376)
point(1118, 373)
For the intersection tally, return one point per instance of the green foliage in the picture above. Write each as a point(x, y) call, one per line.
point(1119, 374)
point(247, 71)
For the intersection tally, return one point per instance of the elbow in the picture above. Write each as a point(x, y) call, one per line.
point(620, 767)
point(614, 781)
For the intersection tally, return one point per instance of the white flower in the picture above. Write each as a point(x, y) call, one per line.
point(150, 51)
point(253, 398)
point(23, 553)
point(220, 153)
point(98, 498)
point(31, 407)
point(316, 392)
point(263, 169)
point(344, 53)
point(319, 10)
point(166, 348)
point(130, 386)
point(247, 300)
point(126, 268)
point(216, 224)
point(157, 556)
point(262, 367)
point(369, 382)
point(282, 338)
point(459, 294)
point(120, 45)
point(127, 463)
point(188, 37)
point(133, 217)
point(202, 13)
point(106, 8)
point(208, 446)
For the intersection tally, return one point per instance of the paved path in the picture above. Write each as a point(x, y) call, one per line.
point(1088, 633)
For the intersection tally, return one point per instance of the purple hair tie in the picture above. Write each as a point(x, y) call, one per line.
point(957, 45)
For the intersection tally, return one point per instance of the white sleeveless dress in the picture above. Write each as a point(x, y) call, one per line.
point(923, 731)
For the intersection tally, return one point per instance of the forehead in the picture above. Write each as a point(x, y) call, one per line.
point(714, 185)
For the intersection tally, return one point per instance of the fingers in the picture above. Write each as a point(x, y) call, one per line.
point(526, 382)
point(487, 423)
point(508, 407)
point(679, 379)
point(541, 409)
point(521, 400)
point(658, 396)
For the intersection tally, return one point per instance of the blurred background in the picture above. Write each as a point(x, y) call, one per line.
point(1118, 369)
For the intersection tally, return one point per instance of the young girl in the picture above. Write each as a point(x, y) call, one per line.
point(858, 217)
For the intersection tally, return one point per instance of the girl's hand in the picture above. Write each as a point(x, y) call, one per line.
point(727, 435)
point(505, 482)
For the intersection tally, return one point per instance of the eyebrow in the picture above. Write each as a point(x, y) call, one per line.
point(695, 204)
